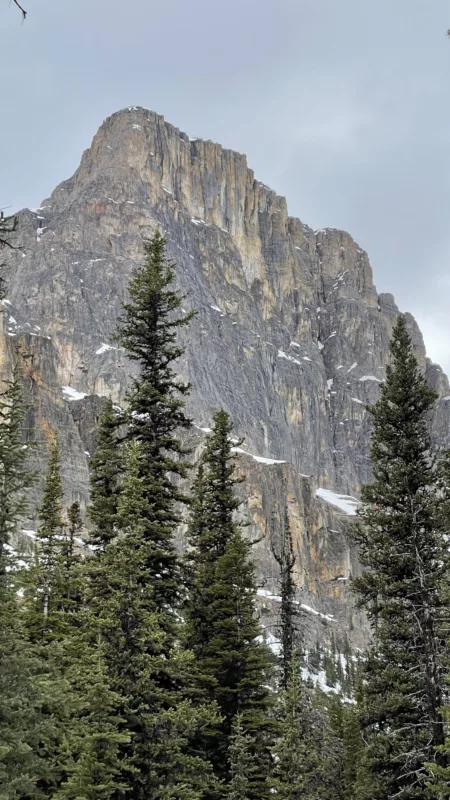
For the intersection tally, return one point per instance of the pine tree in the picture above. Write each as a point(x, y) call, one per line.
point(222, 629)
point(405, 555)
point(148, 332)
point(284, 555)
point(74, 528)
point(307, 753)
point(25, 684)
point(150, 674)
point(94, 733)
point(105, 471)
point(44, 579)
point(138, 569)
point(15, 478)
point(241, 761)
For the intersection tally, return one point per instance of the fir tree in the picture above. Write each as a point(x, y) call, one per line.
point(105, 471)
point(25, 684)
point(44, 579)
point(307, 753)
point(150, 674)
point(15, 478)
point(148, 333)
point(405, 555)
point(222, 629)
point(73, 528)
point(138, 570)
point(94, 733)
point(241, 761)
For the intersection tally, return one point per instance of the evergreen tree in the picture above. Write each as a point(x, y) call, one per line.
point(148, 333)
point(241, 761)
point(74, 528)
point(307, 752)
point(105, 471)
point(222, 630)
point(406, 559)
point(94, 733)
point(138, 569)
point(15, 478)
point(44, 579)
point(150, 674)
point(284, 555)
point(25, 684)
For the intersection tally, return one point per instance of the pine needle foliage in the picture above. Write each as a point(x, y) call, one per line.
point(105, 470)
point(307, 753)
point(222, 631)
point(15, 478)
point(148, 333)
point(406, 561)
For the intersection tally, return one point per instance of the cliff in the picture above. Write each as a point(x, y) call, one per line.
point(291, 336)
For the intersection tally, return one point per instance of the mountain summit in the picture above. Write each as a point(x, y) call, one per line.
point(291, 336)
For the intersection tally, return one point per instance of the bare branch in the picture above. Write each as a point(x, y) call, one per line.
point(24, 13)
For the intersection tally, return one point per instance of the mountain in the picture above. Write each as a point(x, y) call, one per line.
point(291, 337)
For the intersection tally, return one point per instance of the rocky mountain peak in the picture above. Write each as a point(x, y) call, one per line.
point(291, 336)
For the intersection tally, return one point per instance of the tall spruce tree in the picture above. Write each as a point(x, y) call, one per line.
point(148, 333)
point(44, 579)
point(307, 752)
point(15, 477)
point(138, 569)
point(105, 470)
point(24, 682)
point(150, 674)
point(241, 761)
point(406, 559)
point(222, 629)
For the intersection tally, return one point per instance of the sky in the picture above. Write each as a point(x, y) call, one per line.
point(342, 106)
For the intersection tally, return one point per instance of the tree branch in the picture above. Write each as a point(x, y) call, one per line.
point(24, 13)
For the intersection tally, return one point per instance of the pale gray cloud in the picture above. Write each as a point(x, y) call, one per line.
point(341, 105)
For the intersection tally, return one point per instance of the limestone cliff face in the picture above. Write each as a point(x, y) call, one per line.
point(291, 336)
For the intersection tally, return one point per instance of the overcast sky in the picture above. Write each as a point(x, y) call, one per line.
point(343, 106)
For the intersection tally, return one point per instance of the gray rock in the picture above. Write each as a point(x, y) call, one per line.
point(291, 336)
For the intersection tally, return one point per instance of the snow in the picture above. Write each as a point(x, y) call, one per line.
point(72, 394)
point(30, 534)
point(282, 354)
point(355, 364)
point(310, 610)
point(216, 308)
point(258, 459)
point(357, 400)
point(305, 358)
point(262, 460)
point(370, 378)
point(7, 302)
point(329, 383)
point(344, 502)
point(137, 127)
point(446, 398)
point(320, 345)
point(104, 349)
point(266, 593)
point(204, 430)
point(294, 344)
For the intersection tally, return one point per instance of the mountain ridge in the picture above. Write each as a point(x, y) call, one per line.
point(291, 336)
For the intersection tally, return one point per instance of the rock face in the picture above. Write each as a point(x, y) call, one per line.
point(291, 336)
